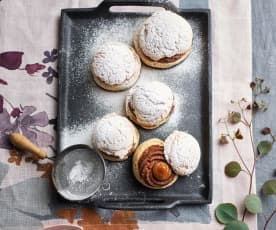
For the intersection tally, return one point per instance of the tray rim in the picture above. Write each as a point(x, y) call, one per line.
point(120, 205)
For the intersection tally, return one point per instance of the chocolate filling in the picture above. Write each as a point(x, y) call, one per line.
point(151, 156)
point(170, 59)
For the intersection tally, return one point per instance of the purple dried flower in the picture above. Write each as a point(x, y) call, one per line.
point(6, 127)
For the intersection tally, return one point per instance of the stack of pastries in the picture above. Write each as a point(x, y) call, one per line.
point(161, 41)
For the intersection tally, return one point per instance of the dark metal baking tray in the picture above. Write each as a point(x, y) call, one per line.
point(81, 101)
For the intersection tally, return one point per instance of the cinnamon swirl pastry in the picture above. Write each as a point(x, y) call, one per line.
point(150, 166)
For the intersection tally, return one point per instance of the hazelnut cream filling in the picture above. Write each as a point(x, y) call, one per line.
point(169, 59)
point(132, 110)
point(153, 167)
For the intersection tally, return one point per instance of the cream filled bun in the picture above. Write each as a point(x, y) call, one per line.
point(163, 40)
point(115, 66)
point(182, 152)
point(115, 137)
point(149, 104)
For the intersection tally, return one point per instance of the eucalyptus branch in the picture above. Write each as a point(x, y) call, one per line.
point(273, 137)
point(251, 174)
point(242, 112)
point(236, 147)
point(252, 203)
point(267, 220)
point(255, 159)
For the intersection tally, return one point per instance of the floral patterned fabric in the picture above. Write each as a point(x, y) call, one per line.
point(28, 101)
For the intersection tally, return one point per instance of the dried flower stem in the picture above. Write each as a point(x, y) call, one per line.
point(251, 174)
point(51, 96)
point(248, 125)
point(244, 121)
point(236, 147)
point(273, 138)
point(269, 218)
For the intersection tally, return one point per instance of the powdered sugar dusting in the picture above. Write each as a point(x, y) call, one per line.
point(151, 102)
point(114, 135)
point(177, 78)
point(182, 151)
point(78, 134)
point(165, 34)
point(80, 172)
point(115, 63)
point(87, 103)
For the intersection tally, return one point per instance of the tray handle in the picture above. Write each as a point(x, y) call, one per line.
point(136, 205)
point(106, 4)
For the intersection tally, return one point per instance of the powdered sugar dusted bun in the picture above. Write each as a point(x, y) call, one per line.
point(163, 40)
point(150, 104)
point(115, 66)
point(115, 137)
point(182, 152)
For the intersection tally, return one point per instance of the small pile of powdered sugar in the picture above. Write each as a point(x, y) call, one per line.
point(80, 172)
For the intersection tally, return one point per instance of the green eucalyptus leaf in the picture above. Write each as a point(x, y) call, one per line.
point(236, 225)
point(226, 212)
point(253, 203)
point(232, 169)
point(269, 187)
point(264, 147)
